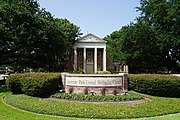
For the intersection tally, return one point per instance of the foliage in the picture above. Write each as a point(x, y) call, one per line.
point(152, 42)
point(163, 17)
point(14, 83)
point(32, 37)
point(35, 84)
point(153, 84)
point(74, 72)
point(103, 72)
point(52, 53)
point(42, 70)
point(157, 106)
point(135, 45)
point(84, 97)
point(2, 80)
point(18, 29)
point(2, 71)
point(3, 89)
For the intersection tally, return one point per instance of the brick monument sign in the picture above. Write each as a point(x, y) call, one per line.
point(95, 83)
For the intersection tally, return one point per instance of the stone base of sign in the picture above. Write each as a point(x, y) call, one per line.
point(101, 84)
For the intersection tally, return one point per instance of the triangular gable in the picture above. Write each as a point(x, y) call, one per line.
point(91, 38)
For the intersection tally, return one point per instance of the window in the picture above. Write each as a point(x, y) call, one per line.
point(89, 54)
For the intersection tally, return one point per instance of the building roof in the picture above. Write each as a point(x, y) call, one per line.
point(90, 38)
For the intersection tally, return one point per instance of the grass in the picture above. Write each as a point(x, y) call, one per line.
point(157, 107)
point(130, 96)
point(9, 113)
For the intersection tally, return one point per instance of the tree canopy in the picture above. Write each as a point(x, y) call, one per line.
point(164, 17)
point(32, 37)
point(153, 41)
point(136, 46)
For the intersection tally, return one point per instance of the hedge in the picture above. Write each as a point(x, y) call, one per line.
point(153, 84)
point(103, 72)
point(2, 71)
point(34, 84)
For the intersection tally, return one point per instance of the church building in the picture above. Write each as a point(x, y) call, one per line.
point(90, 55)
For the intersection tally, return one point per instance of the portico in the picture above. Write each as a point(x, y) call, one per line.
point(90, 54)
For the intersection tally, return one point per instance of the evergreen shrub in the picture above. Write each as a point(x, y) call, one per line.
point(2, 71)
point(34, 84)
point(155, 84)
point(103, 72)
point(13, 83)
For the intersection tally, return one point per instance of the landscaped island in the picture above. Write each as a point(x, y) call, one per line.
point(146, 83)
point(156, 107)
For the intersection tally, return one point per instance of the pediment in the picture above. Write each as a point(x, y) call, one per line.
point(90, 38)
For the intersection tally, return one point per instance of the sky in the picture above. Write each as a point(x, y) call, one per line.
point(99, 17)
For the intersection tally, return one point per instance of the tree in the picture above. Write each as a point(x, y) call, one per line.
point(71, 32)
point(32, 37)
point(135, 45)
point(164, 17)
point(60, 36)
point(18, 29)
point(153, 42)
point(48, 50)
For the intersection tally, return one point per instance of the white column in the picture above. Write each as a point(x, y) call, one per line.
point(75, 58)
point(95, 60)
point(126, 68)
point(84, 63)
point(104, 59)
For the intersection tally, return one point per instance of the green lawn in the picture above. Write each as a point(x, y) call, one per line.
point(9, 113)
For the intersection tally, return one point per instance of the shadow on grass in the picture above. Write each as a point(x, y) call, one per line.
point(3, 89)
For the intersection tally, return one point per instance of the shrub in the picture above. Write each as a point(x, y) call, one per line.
point(2, 82)
point(103, 72)
point(2, 71)
point(75, 72)
point(42, 70)
point(13, 83)
point(87, 97)
point(153, 84)
point(36, 84)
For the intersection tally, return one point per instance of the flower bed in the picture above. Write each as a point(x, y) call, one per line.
point(83, 97)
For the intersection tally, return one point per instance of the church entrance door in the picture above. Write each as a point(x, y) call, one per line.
point(90, 68)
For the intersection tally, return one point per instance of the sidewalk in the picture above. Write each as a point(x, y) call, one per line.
point(2, 76)
point(178, 75)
